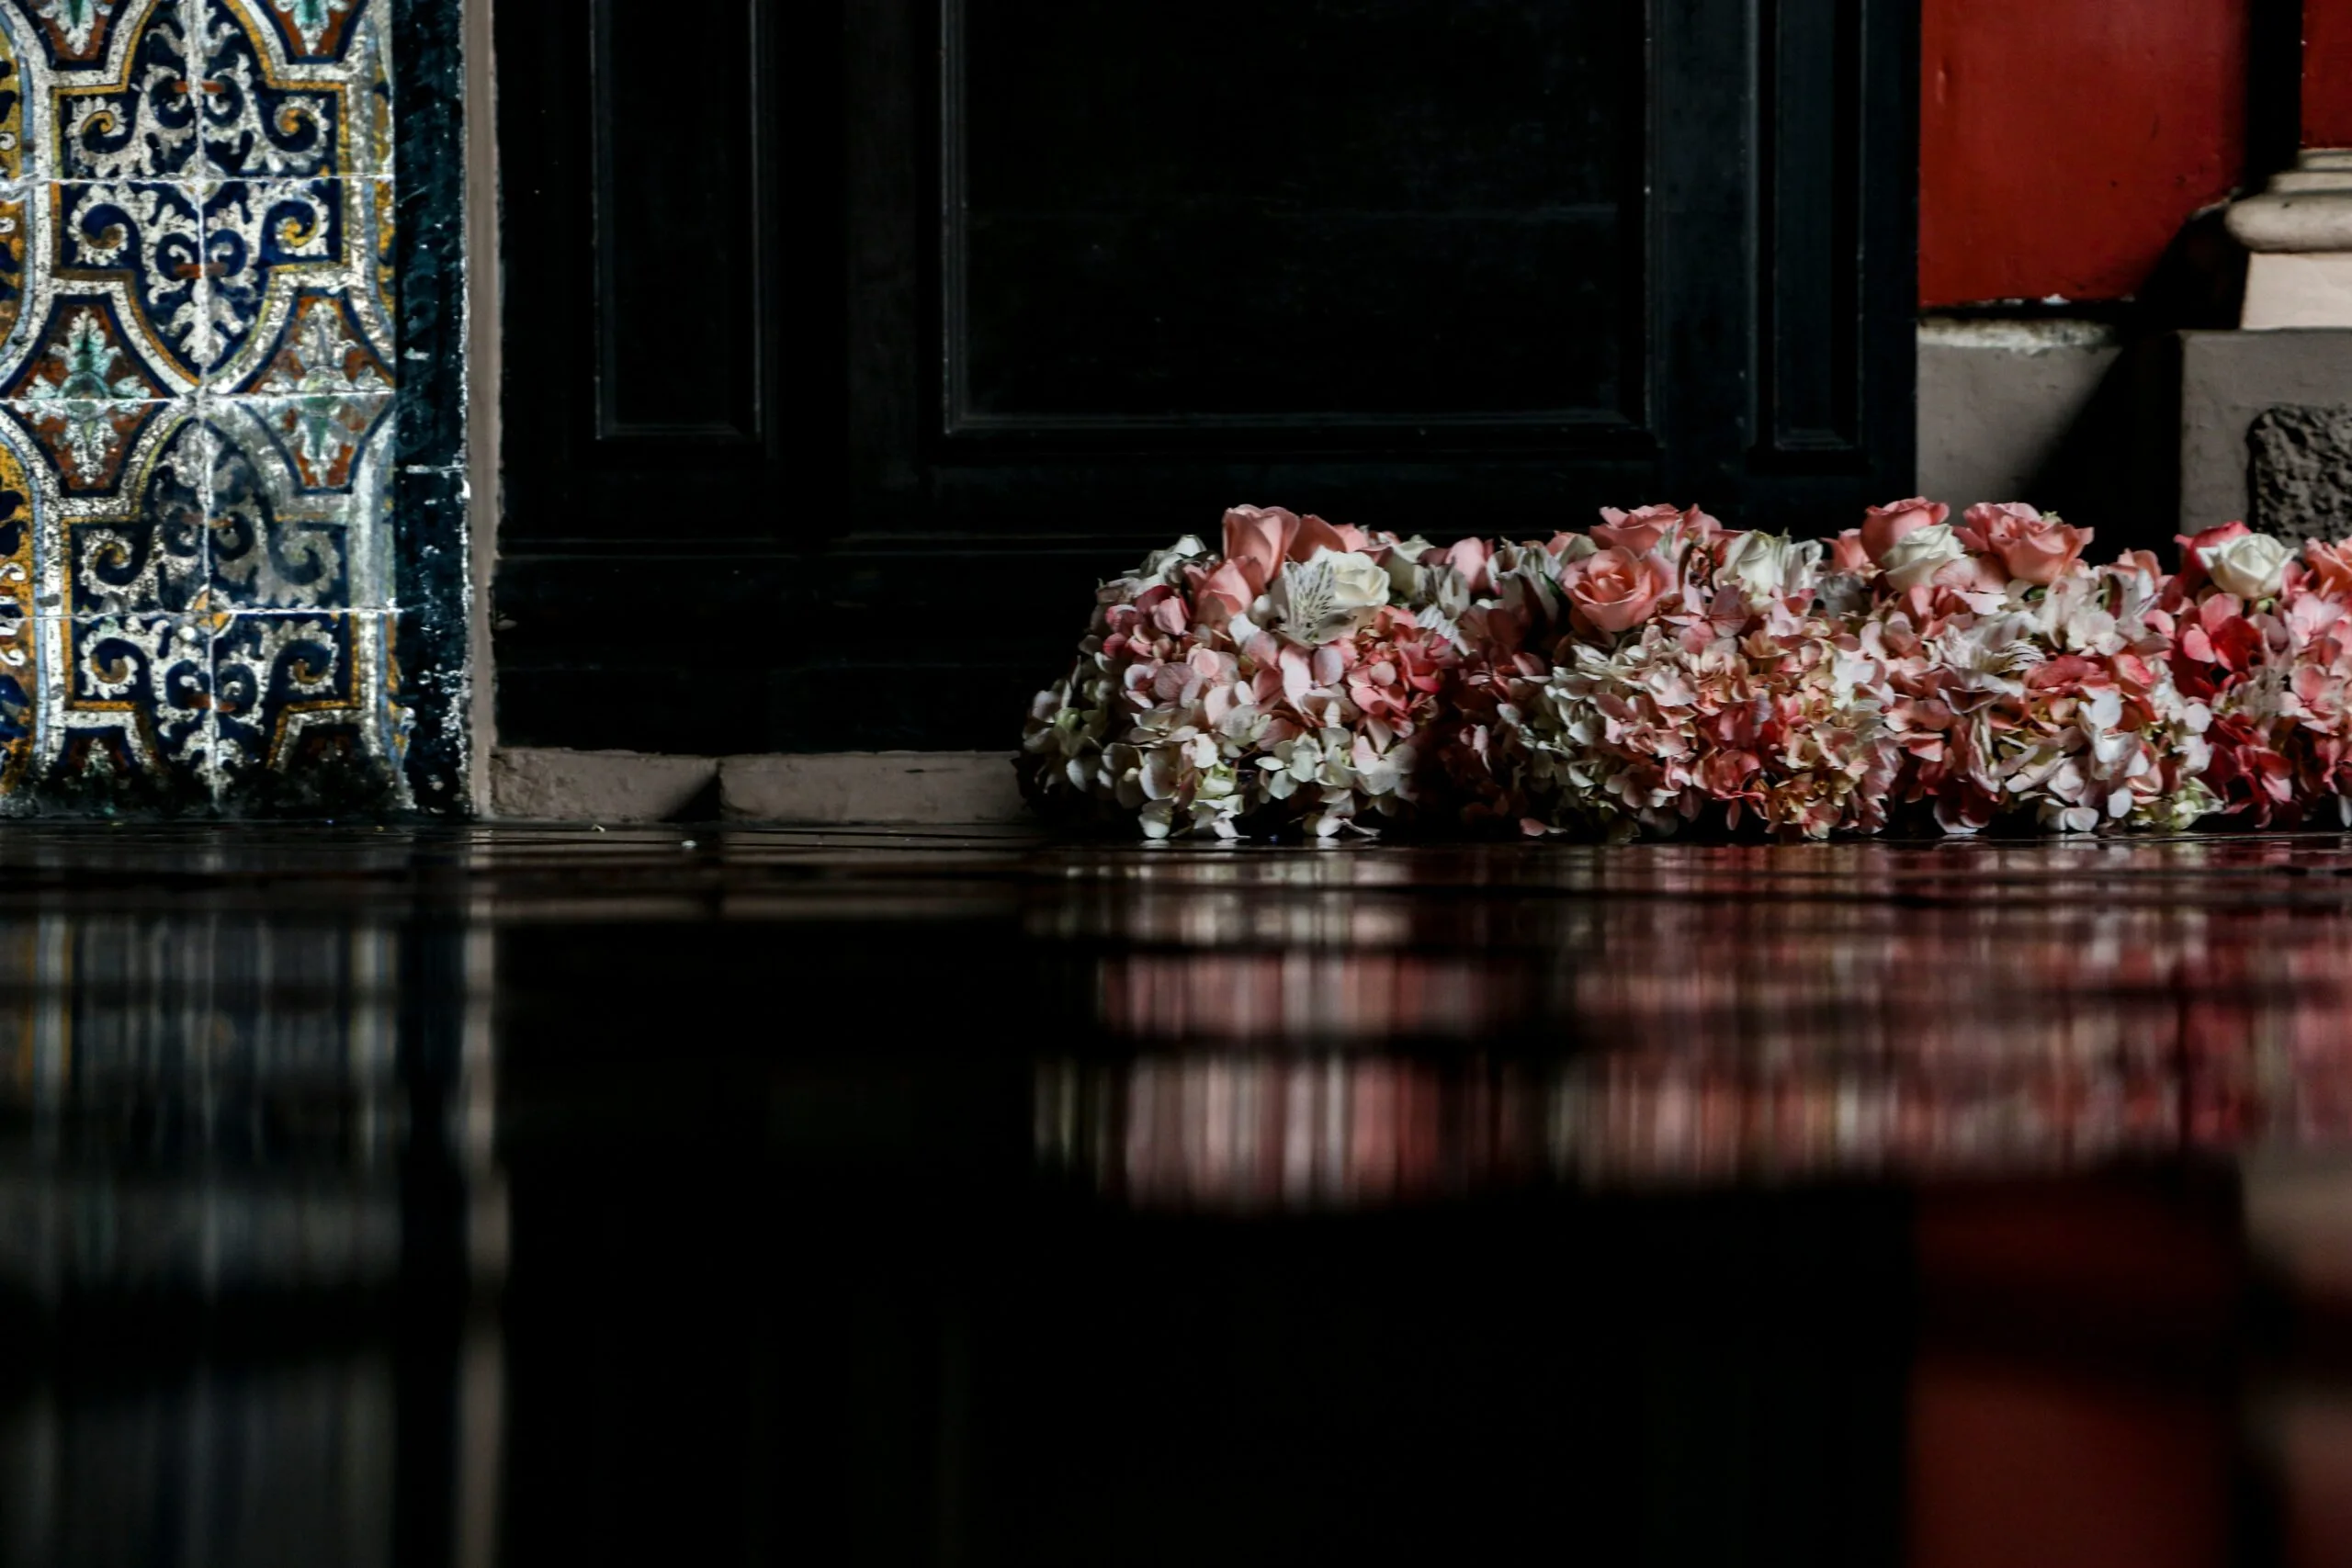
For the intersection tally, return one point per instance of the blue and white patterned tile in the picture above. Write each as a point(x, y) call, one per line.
point(294, 87)
point(273, 549)
point(21, 155)
point(25, 267)
point(142, 549)
point(125, 565)
point(92, 418)
point(263, 563)
point(196, 380)
point(289, 267)
point(324, 343)
point(310, 469)
point(123, 104)
point(139, 244)
point(303, 701)
point(323, 446)
point(133, 707)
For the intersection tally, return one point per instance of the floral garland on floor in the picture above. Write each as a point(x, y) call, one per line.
point(1659, 671)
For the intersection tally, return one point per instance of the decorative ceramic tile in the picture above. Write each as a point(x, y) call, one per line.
point(19, 633)
point(302, 708)
point(89, 448)
point(123, 105)
point(132, 708)
point(322, 443)
point(142, 549)
point(139, 246)
point(17, 205)
point(263, 240)
point(124, 566)
point(323, 344)
point(201, 333)
point(312, 472)
point(293, 288)
point(295, 87)
point(268, 556)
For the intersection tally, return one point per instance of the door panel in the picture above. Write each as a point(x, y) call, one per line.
point(1334, 217)
point(873, 347)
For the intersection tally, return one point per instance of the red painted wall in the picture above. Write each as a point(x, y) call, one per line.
point(2062, 142)
point(2327, 73)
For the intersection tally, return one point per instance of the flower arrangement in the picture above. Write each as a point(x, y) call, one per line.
point(1659, 671)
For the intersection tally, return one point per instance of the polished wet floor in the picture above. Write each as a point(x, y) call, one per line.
point(716, 1195)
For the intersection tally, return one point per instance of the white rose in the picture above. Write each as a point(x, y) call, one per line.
point(2251, 566)
point(1358, 581)
point(1405, 566)
point(1920, 554)
point(1766, 565)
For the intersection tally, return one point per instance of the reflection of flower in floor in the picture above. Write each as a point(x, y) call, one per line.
point(76, 404)
point(1291, 1031)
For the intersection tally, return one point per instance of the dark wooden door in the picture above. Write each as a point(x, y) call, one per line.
point(847, 346)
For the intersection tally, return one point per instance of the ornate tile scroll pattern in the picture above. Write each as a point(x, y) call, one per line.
point(198, 349)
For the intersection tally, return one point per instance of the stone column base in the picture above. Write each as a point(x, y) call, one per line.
point(2297, 288)
point(2298, 236)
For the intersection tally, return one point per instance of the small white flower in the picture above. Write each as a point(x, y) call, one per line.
point(2251, 566)
point(1327, 596)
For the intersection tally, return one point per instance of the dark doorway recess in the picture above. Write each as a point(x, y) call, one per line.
point(840, 367)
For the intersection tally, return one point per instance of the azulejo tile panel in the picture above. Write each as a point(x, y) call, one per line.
point(204, 588)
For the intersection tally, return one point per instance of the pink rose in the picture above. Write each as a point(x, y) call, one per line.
point(1314, 535)
point(1638, 530)
point(1846, 553)
point(2333, 566)
point(1881, 526)
point(1698, 524)
point(2032, 548)
point(1230, 587)
point(1469, 557)
point(1614, 588)
point(1257, 540)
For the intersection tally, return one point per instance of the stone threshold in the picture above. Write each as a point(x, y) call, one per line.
point(545, 785)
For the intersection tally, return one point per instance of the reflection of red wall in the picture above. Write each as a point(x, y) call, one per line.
point(2018, 1469)
point(2063, 141)
point(2072, 1404)
point(2327, 73)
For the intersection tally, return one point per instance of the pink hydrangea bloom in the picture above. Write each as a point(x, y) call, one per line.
point(1659, 671)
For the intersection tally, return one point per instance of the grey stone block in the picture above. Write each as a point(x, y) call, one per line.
point(550, 786)
point(2228, 378)
point(2302, 471)
point(959, 788)
point(908, 788)
point(1997, 399)
point(2070, 415)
